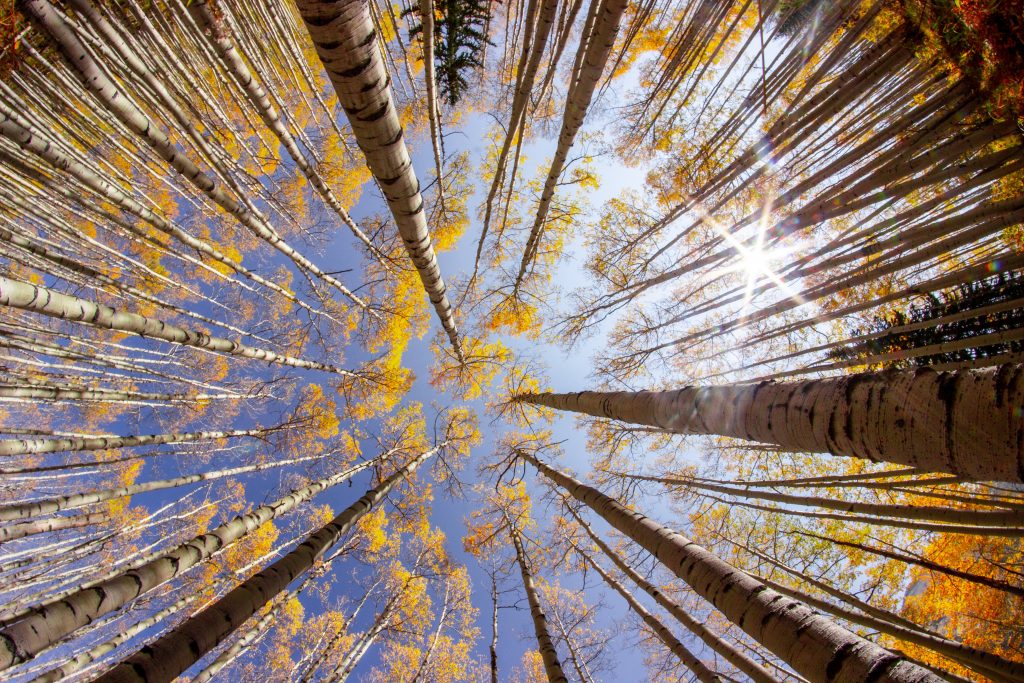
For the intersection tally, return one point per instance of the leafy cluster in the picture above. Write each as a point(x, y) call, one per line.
point(984, 40)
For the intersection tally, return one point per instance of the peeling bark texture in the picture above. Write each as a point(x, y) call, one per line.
point(163, 660)
point(964, 422)
point(346, 41)
point(816, 647)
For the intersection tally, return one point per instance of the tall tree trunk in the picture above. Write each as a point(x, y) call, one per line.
point(173, 653)
point(700, 671)
point(39, 299)
point(433, 114)
point(96, 81)
point(953, 515)
point(9, 532)
point(102, 443)
point(745, 664)
point(987, 664)
point(816, 648)
point(346, 41)
point(362, 644)
point(493, 649)
point(922, 418)
point(81, 660)
point(597, 47)
point(33, 630)
point(77, 500)
point(236, 66)
point(552, 667)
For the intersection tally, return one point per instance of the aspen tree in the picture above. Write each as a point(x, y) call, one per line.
point(815, 647)
point(593, 56)
point(174, 652)
point(38, 299)
point(552, 666)
point(745, 664)
point(93, 77)
point(35, 629)
point(344, 35)
point(924, 419)
point(700, 671)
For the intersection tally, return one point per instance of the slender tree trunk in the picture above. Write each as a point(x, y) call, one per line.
point(578, 662)
point(979, 579)
point(552, 667)
point(261, 102)
point(173, 653)
point(39, 299)
point(921, 418)
point(49, 505)
point(597, 48)
point(529, 63)
point(433, 115)
point(332, 644)
point(424, 666)
point(345, 39)
point(909, 512)
point(688, 659)
point(362, 644)
point(102, 443)
point(816, 648)
point(493, 649)
point(96, 81)
point(988, 664)
point(33, 630)
point(9, 532)
point(745, 664)
point(17, 130)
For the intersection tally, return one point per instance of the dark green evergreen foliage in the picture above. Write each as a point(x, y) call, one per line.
point(459, 40)
point(1001, 288)
point(794, 16)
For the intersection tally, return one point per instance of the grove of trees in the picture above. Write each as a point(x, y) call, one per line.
point(512, 340)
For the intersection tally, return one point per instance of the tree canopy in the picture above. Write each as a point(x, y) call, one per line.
point(522, 340)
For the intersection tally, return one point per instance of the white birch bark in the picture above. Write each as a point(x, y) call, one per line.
point(174, 652)
point(346, 41)
point(816, 648)
point(921, 418)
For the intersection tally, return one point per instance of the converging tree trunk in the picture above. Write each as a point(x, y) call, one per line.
point(39, 299)
point(546, 647)
point(748, 666)
point(33, 630)
point(964, 422)
point(700, 670)
point(176, 651)
point(347, 43)
point(816, 647)
point(594, 51)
